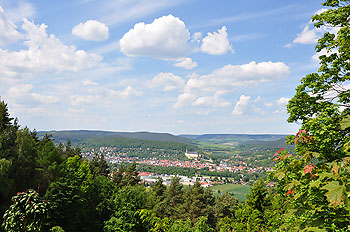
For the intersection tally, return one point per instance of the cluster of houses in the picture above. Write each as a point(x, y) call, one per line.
point(150, 178)
point(194, 161)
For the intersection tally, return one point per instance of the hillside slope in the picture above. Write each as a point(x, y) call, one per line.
point(76, 136)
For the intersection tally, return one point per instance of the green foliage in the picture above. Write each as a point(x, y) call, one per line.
point(152, 222)
point(258, 197)
point(79, 171)
point(317, 190)
point(198, 202)
point(99, 165)
point(27, 213)
point(67, 205)
point(322, 99)
point(225, 206)
point(80, 200)
point(159, 188)
point(315, 181)
point(125, 176)
point(127, 201)
point(171, 206)
point(256, 214)
point(56, 229)
point(136, 143)
point(181, 226)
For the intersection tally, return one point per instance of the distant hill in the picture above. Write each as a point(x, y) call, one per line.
point(235, 138)
point(78, 136)
point(275, 143)
point(114, 141)
point(133, 139)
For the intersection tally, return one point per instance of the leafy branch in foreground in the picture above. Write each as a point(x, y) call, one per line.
point(27, 212)
point(315, 181)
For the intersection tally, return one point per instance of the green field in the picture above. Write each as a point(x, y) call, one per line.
point(238, 190)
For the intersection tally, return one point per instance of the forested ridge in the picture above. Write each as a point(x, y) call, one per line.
point(48, 187)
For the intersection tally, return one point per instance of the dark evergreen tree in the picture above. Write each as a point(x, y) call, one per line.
point(131, 176)
point(8, 156)
point(127, 201)
point(171, 206)
point(225, 206)
point(159, 189)
point(197, 203)
point(117, 176)
point(99, 165)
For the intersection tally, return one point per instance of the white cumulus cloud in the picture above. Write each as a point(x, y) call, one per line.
point(311, 34)
point(241, 106)
point(214, 101)
point(184, 99)
point(216, 43)
point(80, 100)
point(197, 36)
point(22, 94)
point(308, 36)
point(205, 90)
point(44, 53)
point(282, 102)
point(186, 63)
point(91, 30)
point(166, 37)
point(240, 75)
point(128, 92)
point(167, 81)
point(9, 33)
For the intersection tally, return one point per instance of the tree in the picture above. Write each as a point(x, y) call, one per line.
point(225, 206)
point(131, 176)
point(8, 134)
point(8, 130)
point(171, 206)
point(152, 222)
point(27, 213)
point(117, 176)
point(127, 202)
point(99, 165)
point(69, 151)
point(258, 197)
point(71, 196)
point(67, 205)
point(198, 203)
point(315, 181)
point(26, 174)
point(158, 190)
point(253, 214)
point(323, 99)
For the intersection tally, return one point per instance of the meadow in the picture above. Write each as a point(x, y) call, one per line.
point(238, 190)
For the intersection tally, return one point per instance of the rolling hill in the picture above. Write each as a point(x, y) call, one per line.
point(76, 136)
point(235, 138)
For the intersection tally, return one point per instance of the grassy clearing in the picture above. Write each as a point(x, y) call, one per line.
point(221, 147)
point(238, 190)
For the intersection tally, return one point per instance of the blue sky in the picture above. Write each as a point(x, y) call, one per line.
point(186, 66)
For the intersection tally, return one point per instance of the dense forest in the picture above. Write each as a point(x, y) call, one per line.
point(54, 189)
point(48, 187)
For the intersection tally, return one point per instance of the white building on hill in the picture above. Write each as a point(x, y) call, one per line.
point(192, 155)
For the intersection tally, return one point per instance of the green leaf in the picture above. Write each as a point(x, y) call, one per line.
point(315, 184)
point(335, 194)
point(324, 175)
point(345, 123)
point(315, 229)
